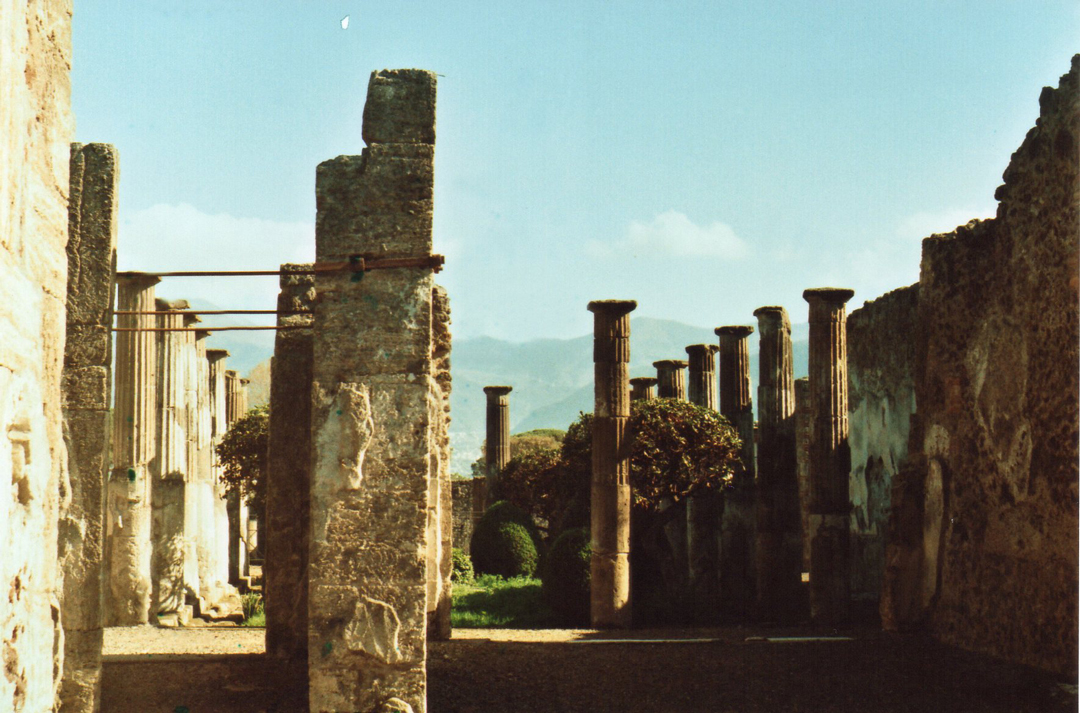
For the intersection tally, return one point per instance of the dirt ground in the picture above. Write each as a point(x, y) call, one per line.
point(730, 669)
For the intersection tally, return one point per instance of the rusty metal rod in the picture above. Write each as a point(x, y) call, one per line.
point(214, 311)
point(354, 264)
point(208, 329)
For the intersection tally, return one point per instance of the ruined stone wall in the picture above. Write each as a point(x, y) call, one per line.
point(36, 129)
point(985, 518)
point(87, 386)
point(881, 401)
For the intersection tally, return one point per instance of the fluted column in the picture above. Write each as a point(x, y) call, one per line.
point(170, 467)
point(219, 553)
point(127, 593)
point(201, 477)
point(802, 463)
point(497, 444)
point(702, 381)
point(737, 558)
point(830, 455)
point(610, 563)
point(237, 508)
point(643, 388)
point(671, 378)
point(779, 542)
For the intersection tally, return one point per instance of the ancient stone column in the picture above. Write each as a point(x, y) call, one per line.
point(497, 443)
point(610, 563)
point(737, 577)
point(802, 463)
point(371, 417)
point(643, 387)
point(169, 469)
point(236, 507)
point(87, 387)
point(441, 500)
point(703, 511)
point(779, 540)
point(830, 456)
point(128, 554)
point(671, 378)
point(288, 478)
point(702, 386)
point(219, 554)
point(201, 477)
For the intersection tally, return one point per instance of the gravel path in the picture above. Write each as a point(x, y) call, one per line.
point(153, 641)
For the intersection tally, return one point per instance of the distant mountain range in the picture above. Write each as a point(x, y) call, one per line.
point(552, 378)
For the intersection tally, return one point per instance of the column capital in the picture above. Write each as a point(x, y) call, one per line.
point(829, 295)
point(772, 313)
point(670, 364)
point(497, 390)
point(701, 349)
point(740, 331)
point(190, 319)
point(644, 380)
point(612, 308)
point(136, 281)
point(214, 355)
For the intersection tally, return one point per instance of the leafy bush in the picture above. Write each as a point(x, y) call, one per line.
point(243, 456)
point(505, 542)
point(462, 568)
point(566, 577)
point(529, 482)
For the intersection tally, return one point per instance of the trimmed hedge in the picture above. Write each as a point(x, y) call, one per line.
point(505, 542)
point(462, 567)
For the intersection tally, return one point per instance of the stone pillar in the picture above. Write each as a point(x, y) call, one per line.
point(610, 563)
point(703, 511)
point(201, 476)
point(830, 456)
point(737, 577)
point(702, 387)
point(643, 387)
point(169, 469)
point(288, 478)
point(87, 387)
point(497, 443)
point(671, 378)
point(371, 415)
point(219, 554)
point(236, 507)
point(779, 540)
point(441, 504)
point(802, 463)
point(128, 554)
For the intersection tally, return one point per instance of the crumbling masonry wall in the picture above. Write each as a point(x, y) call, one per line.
point(372, 445)
point(87, 386)
point(982, 542)
point(881, 401)
point(35, 135)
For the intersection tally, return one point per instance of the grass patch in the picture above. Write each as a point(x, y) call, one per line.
point(492, 602)
point(254, 610)
point(255, 620)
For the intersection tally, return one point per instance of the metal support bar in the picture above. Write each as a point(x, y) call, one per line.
point(214, 311)
point(208, 329)
point(355, 263)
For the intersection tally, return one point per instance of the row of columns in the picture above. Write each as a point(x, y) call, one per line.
point(166, 525)
point(760, 534)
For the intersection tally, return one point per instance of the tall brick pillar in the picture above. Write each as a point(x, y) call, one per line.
point(643, 387)
point(610, 564)
point(87, 386)
point(830, 456)
point(737, 577)
point(373, 452)
point(288, 478)
point(671, 378)
point(128, 555)
point(779, 541)
point(497, 443)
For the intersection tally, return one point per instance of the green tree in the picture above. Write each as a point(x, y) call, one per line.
point(243, 457)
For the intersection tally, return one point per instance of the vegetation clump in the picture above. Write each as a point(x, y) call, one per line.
point(566, 577)
point(461, 571)
point(505, 542)
point(243, 454)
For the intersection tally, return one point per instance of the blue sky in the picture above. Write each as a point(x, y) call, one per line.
point(704, 158)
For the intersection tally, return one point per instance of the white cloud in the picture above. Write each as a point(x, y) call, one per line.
point(924, 224)
point(672, 233)
point(181, 237)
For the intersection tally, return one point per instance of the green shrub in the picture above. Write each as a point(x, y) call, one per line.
point(254, 609)
point(462, 570)
point(566, 577)
point(505, 542)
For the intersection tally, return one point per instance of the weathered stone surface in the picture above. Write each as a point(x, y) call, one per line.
point(91, 251)
point(440, 501)
point(992, 477)
point(387, 119)
point(368, 575)
point(881, 402)
point(462, 516)
point(737, 558)
point(779, 536)
point(803, 420)
point(701, 388)
point(610, 511)
point(236, 508)
point(671, 378)
point(219, 553)
point(830, 456)
point(288, 487)
point(643, 387)
point(497, 443)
